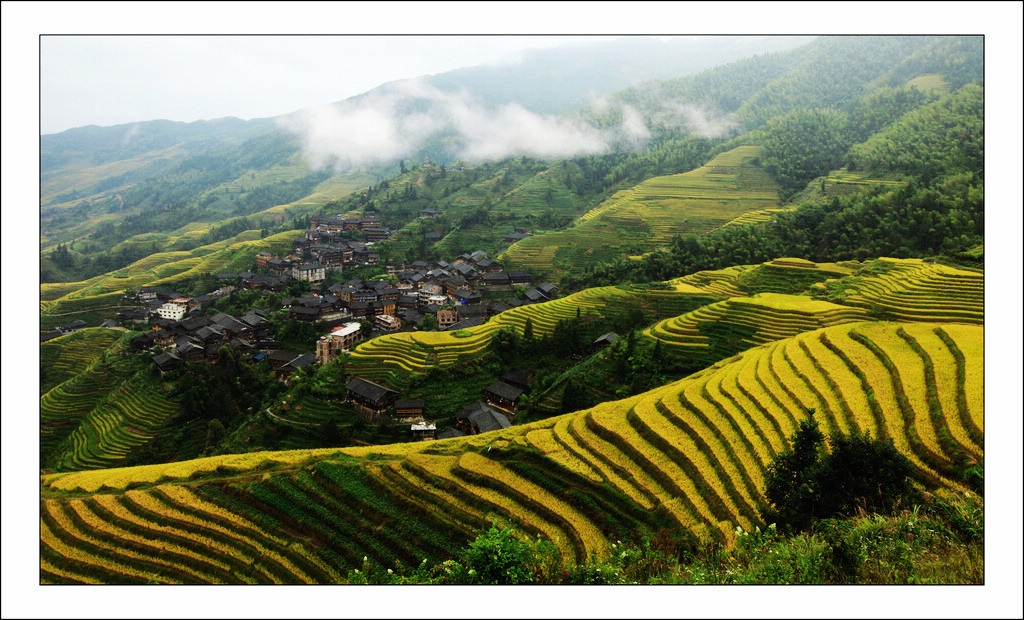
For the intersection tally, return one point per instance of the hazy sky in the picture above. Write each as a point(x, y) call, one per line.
point(108, 80)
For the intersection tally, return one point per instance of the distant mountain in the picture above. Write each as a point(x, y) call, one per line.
point(554, 81)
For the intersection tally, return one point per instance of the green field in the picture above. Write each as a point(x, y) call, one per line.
point(650, 214)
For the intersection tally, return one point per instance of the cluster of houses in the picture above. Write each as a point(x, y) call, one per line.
point(336, 241)
point(421, 290)
point(495, 411)
point(201, 338)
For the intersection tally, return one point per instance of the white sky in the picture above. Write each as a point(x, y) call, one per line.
point(108, 80)
point(24, 22)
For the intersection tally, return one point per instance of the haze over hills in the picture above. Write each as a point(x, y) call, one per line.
point(489, 297)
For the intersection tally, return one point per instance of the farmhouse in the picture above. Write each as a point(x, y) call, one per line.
point(502, 395)
point(480, 418)
point(370, 399)
point(446, 318)
point(409, 411)
point(423, 431)
point(172, 311)
point(167, 361)
point(518, 378)
point(310, 272)
point(387, 323)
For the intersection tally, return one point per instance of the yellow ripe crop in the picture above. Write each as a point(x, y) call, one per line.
point(946, 385)
point(617, 425)
point(970, 341)
point(544, 440)
point(912, 376)
point(841, 378)
point(593, 540)
point(425, 463)
point(90, 559)
point(712, 467)
point(196, 526)
point(56, 511)
point(109, 502)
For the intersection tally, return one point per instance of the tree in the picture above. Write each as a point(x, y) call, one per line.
point(789, 481)
point(429, 323)
point(808, 483)
point(365, 329)
point(214, 433)
point(499, 558)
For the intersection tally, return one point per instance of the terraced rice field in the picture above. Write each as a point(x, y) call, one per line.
point(692, 453)
point(718, 330)
point(650, 214)
point(392, 358)
point(62, 358)
point(96, 418)
point(915, 290)
point(103, 295)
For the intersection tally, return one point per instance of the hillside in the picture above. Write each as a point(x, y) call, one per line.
point(691, 454)
point(650, 214)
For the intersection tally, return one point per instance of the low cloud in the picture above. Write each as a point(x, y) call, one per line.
point(398, 119)
point(128, 135)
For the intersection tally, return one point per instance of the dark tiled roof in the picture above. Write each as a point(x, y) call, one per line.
point(484, 417)
point(369, 390)
point(451, 433)
point(518, 377)
point(503, 390)
point(166, 359)
point(416, 403)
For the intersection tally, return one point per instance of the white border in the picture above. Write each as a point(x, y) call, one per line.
point(1000, 22)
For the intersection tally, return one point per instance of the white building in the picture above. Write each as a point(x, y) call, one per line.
point(311, 272)
point(340, 339)
point(172, 311)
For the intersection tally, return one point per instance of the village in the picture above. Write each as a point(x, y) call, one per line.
point(420, 296)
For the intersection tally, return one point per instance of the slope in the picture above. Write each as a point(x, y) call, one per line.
point(689, 455)
point(650, 214)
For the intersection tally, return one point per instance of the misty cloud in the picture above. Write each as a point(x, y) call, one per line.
point(128, 135)
point(395, 121)
point(705, 121)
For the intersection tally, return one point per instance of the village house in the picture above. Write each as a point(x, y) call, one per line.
point(370, 399)
point(409, 411)
point(502, 395)
point(172, 311)
point(310, 272)
point(340, 340)
point(518, 378)
point(480, 417)
point(387, 323)
point(167, 361)
point(605, 340)
point(423, 431)
point(446, 318)
point(262, 259)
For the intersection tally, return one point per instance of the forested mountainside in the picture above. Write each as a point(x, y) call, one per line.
point(770, 262)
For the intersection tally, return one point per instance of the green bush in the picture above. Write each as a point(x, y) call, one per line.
point(808, 483)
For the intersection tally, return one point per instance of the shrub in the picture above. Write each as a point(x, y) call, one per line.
point(858, 473)
point(498, 557)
